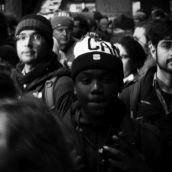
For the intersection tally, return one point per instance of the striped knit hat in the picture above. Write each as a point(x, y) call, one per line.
point(62, 18)
point(38, 23)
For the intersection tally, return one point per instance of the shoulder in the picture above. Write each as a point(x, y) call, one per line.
point(63, 79)
point(148, 139)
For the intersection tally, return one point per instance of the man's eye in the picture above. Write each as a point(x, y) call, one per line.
point(60, 30)
point(85, 80)
point(36, 36)
point(167, 45)
point(21, 37)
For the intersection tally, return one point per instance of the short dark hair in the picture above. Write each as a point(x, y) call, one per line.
point(134, 50)
point(124, 22)
point(159, 30)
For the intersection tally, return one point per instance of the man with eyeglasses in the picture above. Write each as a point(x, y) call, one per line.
point(38, 64)
point(150, 99)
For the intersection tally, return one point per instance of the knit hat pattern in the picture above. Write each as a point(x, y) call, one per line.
point(62, 19)
point(38, 23)
point(92, 52)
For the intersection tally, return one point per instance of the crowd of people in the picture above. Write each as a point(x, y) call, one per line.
point(86, 95)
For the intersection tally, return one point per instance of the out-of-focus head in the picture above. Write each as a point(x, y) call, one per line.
point(139, 16)
point(132, 54)
point(32, 138)
point(158, 13)
point(62, 24)
point(62, 18)
point(124, 23)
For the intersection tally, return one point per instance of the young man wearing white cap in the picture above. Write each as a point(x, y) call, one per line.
point(102, 135)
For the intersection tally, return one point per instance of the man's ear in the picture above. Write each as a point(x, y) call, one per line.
point(153, 50)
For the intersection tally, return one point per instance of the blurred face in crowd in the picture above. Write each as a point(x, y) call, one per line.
point(76, 27)
point(96, 89)
point(163, 55)
point(63, 35)
point(31, 47)
point(103, 24)
point(126, 60)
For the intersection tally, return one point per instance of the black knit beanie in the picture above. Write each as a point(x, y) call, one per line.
point(92, 52)
point(38, 23)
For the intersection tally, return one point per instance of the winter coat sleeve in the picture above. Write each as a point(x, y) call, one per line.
point(63, 95)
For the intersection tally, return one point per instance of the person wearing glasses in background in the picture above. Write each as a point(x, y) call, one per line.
point(38, 63)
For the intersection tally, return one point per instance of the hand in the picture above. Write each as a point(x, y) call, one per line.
point(77, 159)
point(124, 156)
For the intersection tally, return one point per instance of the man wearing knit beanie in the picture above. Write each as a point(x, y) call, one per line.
point(62, 24)
point(38, 63)
point(92, 52)
point(98, 127)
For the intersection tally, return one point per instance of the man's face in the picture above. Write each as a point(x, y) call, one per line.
point(103, 24)
point(96, 88)
point(63, 35)
point(164, 55)
point(31, 47)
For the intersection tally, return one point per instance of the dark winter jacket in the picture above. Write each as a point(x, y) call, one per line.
point(142, 99)
point(34, 82)
point(147, 104)
point(86, 138)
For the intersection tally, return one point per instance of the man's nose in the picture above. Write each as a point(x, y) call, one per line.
point(64, 31)
point(28, 41)
point(97, 85)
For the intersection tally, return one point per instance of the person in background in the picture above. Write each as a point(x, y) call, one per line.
point(81, 26)
point(31, 138)
point(102, 28)
point(133, 57)
point(140, 16)
point(12, 22)
point(150, 99)
point(8, 53)
point(101, 135)
point(122, 25)
point(39, 64)
point(141, 35)
point(158, 13)
point(62, 24)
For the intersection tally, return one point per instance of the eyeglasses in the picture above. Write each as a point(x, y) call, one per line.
point(34, 37)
